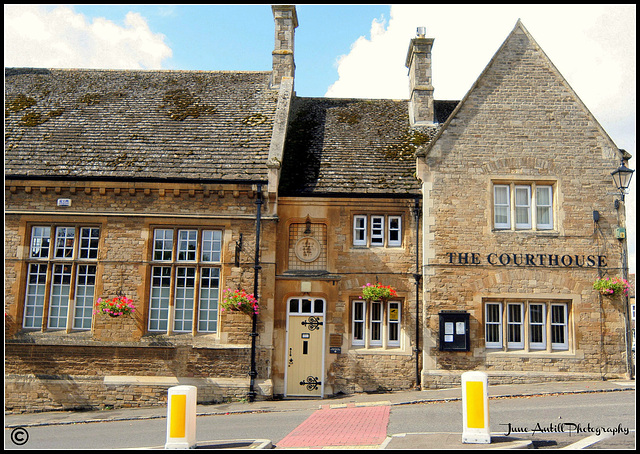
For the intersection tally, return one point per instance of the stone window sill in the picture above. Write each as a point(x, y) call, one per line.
point(85, 339)
point(359, 350)
point(490, 353)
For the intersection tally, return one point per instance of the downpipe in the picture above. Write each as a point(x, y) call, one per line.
point(417, 277)
point(253, 373)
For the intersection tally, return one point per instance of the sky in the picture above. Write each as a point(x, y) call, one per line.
point(347, 51)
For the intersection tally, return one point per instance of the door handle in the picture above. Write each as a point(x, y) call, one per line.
point(290, 358)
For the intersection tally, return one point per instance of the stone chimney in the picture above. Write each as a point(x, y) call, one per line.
point(421, 110)
point(286, 22)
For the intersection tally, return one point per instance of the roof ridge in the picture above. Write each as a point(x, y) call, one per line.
point(33, 70)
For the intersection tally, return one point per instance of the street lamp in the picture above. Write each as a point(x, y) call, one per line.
point(622, 178)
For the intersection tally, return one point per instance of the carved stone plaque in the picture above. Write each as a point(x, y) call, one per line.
point(307, 246)
point(307, 249)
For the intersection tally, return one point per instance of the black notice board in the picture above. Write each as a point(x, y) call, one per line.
point(454, 331)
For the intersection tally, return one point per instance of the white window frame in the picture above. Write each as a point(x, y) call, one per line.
point(507, 199)
point(502, 206)
point(84, 296)
point(163, 237)
point(377, 231)
point(563, 326)
point(209, 299)
point(40, 242)
point(549, 324)
point(61, 277)
point(187, 239)
point(376, 326)
point(522, 207)
point(184, 299)
point(360, 230)
point(515, 326)
point(546, 207)
point(34, 300)
point(394, 230)
point(359, 322)
point(306, 306)
point(64, 234)
point(211, 246)
point(179, 257)
point(542, 345)
point(159, 299)
point(395, 323)
point(376, 322)
point(62, 256)
point(498, 323)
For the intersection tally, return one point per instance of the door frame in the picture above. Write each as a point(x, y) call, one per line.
point(324, 325)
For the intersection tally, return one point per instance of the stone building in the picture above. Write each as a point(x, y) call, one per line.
point(148, 184)
point(349, 195)
point(171, 186)
point(520, 260)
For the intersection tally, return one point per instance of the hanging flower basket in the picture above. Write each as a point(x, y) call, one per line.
point(238, 301)
point(377, 292)
point(115, 307)
point(611, 287)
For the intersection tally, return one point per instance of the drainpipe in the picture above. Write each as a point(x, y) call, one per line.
point(622, 220)
point(417, 276)
point(256, 271)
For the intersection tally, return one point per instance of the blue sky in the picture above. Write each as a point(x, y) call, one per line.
point(346, 50)
point(241, 37)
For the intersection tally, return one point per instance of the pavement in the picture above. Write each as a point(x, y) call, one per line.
point(353, 421)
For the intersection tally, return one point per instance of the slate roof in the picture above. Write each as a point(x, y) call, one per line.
point(117, 124)
point(353, 146)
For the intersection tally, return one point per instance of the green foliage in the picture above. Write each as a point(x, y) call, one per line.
point(611, 287)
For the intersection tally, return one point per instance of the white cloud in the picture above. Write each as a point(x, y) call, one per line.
point(593, 47)
point(62, 38)
point(595, 50)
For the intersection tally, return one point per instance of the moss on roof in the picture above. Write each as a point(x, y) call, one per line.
point(138, 124)
point(347, 146)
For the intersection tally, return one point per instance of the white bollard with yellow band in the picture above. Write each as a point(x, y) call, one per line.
point(181, 417)
point(475, 408)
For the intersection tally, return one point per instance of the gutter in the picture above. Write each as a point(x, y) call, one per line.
point(353, 195)
point(117, 179)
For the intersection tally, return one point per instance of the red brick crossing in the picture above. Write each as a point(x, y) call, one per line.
point(354, 426)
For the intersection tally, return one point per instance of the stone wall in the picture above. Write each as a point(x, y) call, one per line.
point(55, 377)
point(29, 393)
point(127, 213)
point(353, 372)
point(348, 268)
point(438, 379)
point(522, 124)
